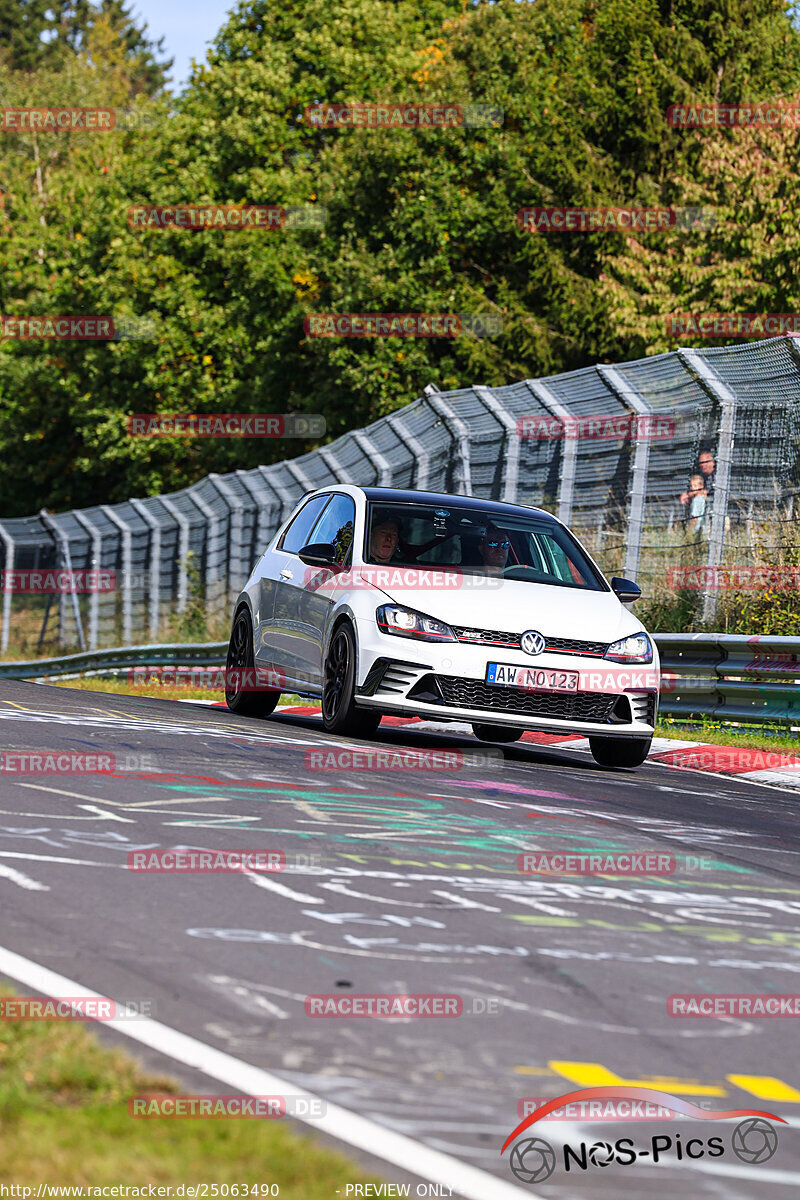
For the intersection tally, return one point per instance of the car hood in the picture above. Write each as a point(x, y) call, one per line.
point(513, 606)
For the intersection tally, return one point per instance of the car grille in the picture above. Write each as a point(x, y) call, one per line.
point(496, 637)
point(472, 693)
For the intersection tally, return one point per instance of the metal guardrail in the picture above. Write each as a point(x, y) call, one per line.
point(728, 676)
point(197, 654)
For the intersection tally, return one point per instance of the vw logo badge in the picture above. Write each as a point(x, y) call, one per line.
point(532, 642)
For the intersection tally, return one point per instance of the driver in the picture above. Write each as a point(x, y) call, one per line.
point(385, 537)
point(493, 548)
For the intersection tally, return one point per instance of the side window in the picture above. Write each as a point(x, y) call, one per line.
point(336, 525)
point(296, 535)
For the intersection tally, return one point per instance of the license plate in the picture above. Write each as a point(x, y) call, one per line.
point(531, 679)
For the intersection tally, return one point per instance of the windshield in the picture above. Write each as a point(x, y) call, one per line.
point(448, 537)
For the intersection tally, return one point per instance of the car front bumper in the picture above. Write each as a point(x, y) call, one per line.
point(445, 681)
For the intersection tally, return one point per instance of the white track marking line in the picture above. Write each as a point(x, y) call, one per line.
point(73, 862)
point(280, 889)
point(101, 812)
point(347, 1127)
point(23, 881)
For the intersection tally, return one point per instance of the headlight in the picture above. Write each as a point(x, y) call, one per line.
point(634, 649)
point(404, 622)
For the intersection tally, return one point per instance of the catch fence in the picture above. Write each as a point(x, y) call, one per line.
point(610, 449)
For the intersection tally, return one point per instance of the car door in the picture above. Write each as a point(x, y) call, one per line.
point(319, 592)
point(276, 607)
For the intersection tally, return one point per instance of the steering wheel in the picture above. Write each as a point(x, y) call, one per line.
point(522, 571)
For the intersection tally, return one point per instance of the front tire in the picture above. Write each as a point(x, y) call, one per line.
point(339, 712)
point(496, 733)
point(619, 752)
point(241, 658)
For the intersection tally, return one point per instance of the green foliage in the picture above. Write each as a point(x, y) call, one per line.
point(418, 220)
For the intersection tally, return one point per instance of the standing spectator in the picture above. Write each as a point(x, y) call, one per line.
point(706, 466)
point(695, 507)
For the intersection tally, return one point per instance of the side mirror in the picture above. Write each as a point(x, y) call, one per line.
point(319, 554)
point(625, 590)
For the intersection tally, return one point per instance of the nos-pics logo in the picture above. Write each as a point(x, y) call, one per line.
point(532, 1159)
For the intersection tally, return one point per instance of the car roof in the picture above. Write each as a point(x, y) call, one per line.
point(399, 495)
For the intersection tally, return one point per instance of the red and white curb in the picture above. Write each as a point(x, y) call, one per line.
point(756, 766)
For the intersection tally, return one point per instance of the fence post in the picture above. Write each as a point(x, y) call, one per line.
point(511, 444)
point(382, 466)
point(155, 564)
point(236, 575)
point(566, 482)
point(97, 554)
point(458, 432)
point(127, 534)
point(719, 391)
point(63, 540)
point(8, 542)
point(635, 403)
point(421, 456)
point(339, 473)
point(183, 550)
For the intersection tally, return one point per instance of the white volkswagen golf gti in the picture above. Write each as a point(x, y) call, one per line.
point(449, 608)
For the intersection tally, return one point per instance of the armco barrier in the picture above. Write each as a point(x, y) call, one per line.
point(731, 677)
point(728, 676)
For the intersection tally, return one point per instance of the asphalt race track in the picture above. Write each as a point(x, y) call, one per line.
point(407, 882)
